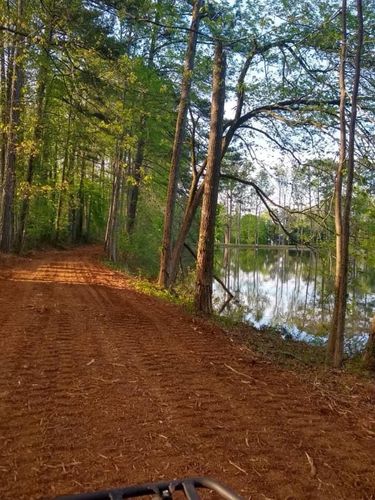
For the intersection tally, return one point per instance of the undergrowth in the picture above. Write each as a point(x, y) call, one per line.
point(143, 284)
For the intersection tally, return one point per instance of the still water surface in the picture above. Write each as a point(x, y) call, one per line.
point(292, 290)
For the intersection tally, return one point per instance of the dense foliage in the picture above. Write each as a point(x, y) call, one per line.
point(89, 92)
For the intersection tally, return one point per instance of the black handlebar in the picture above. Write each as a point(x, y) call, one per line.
point(162, 490)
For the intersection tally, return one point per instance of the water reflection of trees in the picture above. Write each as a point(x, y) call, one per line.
point(293, 287)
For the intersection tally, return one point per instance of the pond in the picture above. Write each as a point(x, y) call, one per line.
point(291, 290)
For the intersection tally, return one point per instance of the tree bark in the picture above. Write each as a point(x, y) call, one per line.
point(133, 193)
point(111, 236)
point(35, 155)
point(78, 227)
point(196, 192)
point(335, 349)
point(34, 160)
point(3, 102)
point(205, 254)
point(166, 246)
point(15, 85)
point(194, 200)
point(63, 178)
point(333, 337)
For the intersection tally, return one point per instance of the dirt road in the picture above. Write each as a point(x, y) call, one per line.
point(102, 386)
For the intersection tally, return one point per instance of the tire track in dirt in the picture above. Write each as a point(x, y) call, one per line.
point(102, 386)
point(228, 423)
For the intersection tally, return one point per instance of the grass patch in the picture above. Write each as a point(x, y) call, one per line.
point(144, 285)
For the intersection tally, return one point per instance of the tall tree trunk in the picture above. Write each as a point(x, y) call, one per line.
point(63, 178)
point(80, 211)
point(111, 236)
point(335, 349)
point(113, 219)
point(196, 193)
point(332, 339)
point(205, 255)
point(71, 198)
point(15, 85)
point(166, 247)
point(88, 206)
point(134, 188)
point(133, 192)
point(34, 160)
point(108, 230)
point(35, 155)
point(339, 350)
point(3, 106)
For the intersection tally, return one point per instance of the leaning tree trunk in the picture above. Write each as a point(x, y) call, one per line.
point(196, 193)
point(15, 85)
point(177, 146)
point(205, 255)
point(195, 198)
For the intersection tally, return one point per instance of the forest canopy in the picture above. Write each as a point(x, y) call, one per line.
point(155, 124)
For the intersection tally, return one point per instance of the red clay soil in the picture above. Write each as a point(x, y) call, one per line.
point(102, 386)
